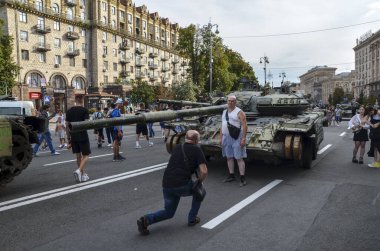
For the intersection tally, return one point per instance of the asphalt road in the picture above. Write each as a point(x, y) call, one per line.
point(333, 206)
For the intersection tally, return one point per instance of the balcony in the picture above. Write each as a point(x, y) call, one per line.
point(175, 71)
point(42, 47)
point(124, 60)
point(153, 66)
point(71, 3)
point(71, 35)
point(73, 52)
point(41, 28)
point(153, 54)
point(175, 61)
point(140, 75)
point(124, 46)
point(165, 69)
point(139, 51)
point(165, 79)
point(183, 64)
point(165, 58)
point(153, 78)
point(140, 63)
point(124, 74)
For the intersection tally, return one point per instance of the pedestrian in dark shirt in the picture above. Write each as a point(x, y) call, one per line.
point(142, 128)
point(177, 183)
point(79, 141)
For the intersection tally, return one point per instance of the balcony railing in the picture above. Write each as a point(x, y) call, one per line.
point(175, 71)
point(72, 35)
point(153, 54)
point(165, 79)
point(140, 63)
point(165, 58)
point(140, 75)
point(42, 47)
point(140, 51)
point(165, 68)
point(124, 74)
point(175, 61)
point(124, 60)
point(153, 66)
point(41, 28)
point(153, 78)
point(73, 52)
point(71, 2)
point(124, 46)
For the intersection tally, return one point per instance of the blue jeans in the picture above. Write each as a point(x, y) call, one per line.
point(41, 137)
point(151, 131)
point(171, 199)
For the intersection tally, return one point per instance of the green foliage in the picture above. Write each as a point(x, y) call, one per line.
point(91, 110)
point(185, 90)
point(361, 98)
point(338, 95)
point(8, 68)
point(142, 92)
point(330, 99)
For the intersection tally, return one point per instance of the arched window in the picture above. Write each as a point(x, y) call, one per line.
point(70, 13)
point(104, 20)
point(39, 5)
point(113, 24)
point(55, 8)
point(58, 82)
point(78, 83)
point(34, 79)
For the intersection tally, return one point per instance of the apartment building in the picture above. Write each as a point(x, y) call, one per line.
point(92, 48)
point(367, 65)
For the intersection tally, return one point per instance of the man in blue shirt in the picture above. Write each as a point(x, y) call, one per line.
point(117, 132)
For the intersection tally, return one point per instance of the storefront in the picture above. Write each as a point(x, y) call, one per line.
point(36, 98)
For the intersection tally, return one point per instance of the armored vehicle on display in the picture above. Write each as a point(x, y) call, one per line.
point(17, 133)
point(181, 103)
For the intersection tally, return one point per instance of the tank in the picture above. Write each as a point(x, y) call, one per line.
point(181, 103)
point(17, 133)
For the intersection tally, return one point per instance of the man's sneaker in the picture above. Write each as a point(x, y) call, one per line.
point(243, 182)
point(85, 177)
point(78, 175)
point(150, 143)
point(138, 146)
point(230, 178)
point(194, 222)
point(120, 157)
point(99, 145)
point(36, 154)
point(142, 226)
point(60, 146)
point(109, 145)
point(55, 153)
point(115, 159)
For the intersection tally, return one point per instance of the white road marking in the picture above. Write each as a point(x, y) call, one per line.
point(324, 149)
point(76, 188)
point(227, 214)
point(67, 161)
point(342, 134)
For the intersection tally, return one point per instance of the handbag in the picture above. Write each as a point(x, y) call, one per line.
point(233, 130)
point(198, 189)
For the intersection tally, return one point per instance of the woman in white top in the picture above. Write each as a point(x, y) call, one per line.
point(358, 125)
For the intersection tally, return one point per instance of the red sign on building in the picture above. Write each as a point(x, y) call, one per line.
point(34, 95)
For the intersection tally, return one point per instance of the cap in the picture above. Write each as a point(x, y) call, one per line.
point(119, 101)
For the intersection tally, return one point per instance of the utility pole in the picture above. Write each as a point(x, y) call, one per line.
point(264, 60)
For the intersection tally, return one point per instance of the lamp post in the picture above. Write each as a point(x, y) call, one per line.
point(264, 60)
point(282, 75)
point(209, 27)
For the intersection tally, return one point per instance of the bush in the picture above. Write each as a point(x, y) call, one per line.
point(91, 110)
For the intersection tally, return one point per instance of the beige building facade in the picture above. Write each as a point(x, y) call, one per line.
point(93, 48)
point(367, 65)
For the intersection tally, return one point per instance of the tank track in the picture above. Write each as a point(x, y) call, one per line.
point(21, 154)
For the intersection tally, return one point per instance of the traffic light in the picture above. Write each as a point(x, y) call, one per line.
point(43, 90)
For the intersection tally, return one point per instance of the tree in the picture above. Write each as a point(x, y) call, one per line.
point(330, 99)
point(338, 95)
point(142, 92)
point(185, 90)
point(361, 98)
point(8, 68)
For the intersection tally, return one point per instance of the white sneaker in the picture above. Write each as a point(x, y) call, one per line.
point(55, 153)
point(151, 143)
point(138, 147)
point(78, 175)
point(60, 146)
point(85, 177)
point(109, 145)
point(65, 145)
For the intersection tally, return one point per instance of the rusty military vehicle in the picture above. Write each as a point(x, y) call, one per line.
point(17, 132)
point(280, 127)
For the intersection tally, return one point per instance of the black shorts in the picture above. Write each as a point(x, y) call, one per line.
point(142, 129)
point(81, 147)
point(115, 137)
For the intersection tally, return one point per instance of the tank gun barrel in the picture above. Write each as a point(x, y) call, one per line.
point(181, 102)
point(145, 118)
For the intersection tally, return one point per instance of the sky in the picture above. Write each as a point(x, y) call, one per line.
point(244, 26)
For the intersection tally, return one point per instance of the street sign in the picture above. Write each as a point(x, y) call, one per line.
point(47, 99)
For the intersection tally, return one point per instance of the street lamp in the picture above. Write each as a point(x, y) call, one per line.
point(209, 29)
point(282, 75)
point(265, 60)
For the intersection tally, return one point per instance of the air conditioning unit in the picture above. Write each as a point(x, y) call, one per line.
point(56, 65)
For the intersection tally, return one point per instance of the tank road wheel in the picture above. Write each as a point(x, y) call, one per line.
point(289, 146)
point(174, 140)
point(302, 152)
point(21, 157)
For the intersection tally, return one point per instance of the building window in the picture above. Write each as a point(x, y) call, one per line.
point(83, 32)
point(70, 28)
point(42, 57)
point(105, 65)
point(55, 8)
point(130, 18)
point(57, 59)
point(113, 24)
point(115, 66)
point(105, 50)
point(69, 13)
point(104, 20)
point(84, 63)
point(113, 10)
point(115, 79)
point(78, 83)
point(114, 38)
point(57, 25)
point(122, 14)
point(57, 42)
point(72, 62)
point(23, 17)
point(83, 16)
point(24, 36)
point(39, 5)
point(104, 36)
point(84, 47)
point(34, 79)
point(105, 80)
point(24, 54)
point(104, 6)
point(114, 52)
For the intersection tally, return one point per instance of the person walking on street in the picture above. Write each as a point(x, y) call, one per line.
point(358, 124)
point(374, 135)
point(79, 141)
point(338, 113)
point(46, 135)
point(117, 133)
point(108, 129)
point(234, 148)
point(60, 131)
point(99, 115)
point(177, 182)
point(62, 140)
point(141, 128)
